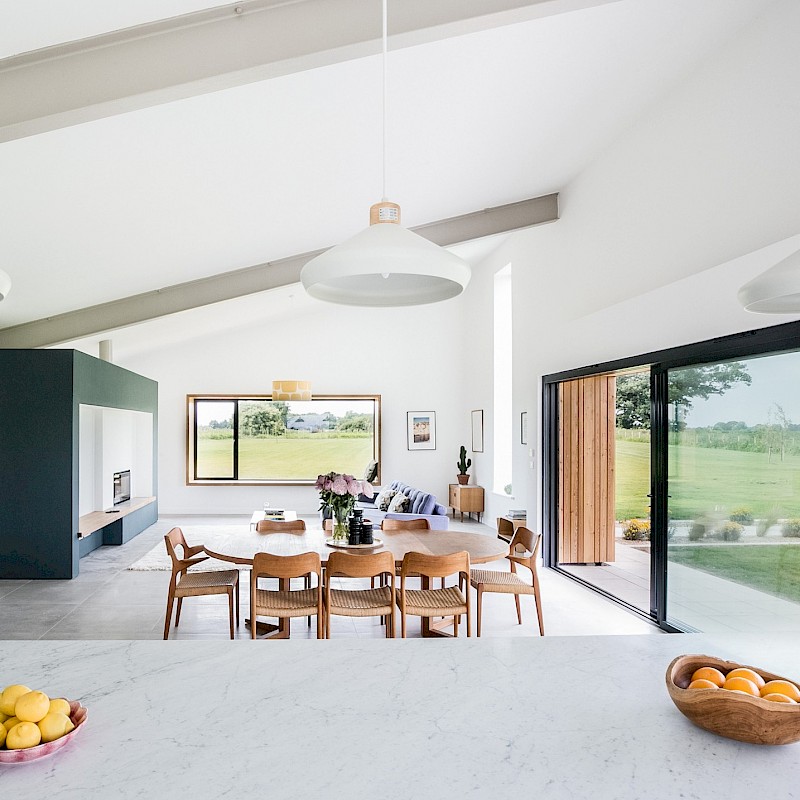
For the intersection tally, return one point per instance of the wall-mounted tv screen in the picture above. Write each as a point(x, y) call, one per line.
point(122, 486)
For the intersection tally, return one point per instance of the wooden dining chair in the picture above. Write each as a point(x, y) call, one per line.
point(405, 525)
point(360, 602)
point(489, 580)
point(286, 602)
point(284, 526)
point(444, 602)
point(183, 583)
point(280, 526)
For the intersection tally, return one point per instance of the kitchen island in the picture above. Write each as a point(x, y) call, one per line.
point(559, 717)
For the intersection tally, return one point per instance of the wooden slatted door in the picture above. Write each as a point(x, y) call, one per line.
point(586, 497)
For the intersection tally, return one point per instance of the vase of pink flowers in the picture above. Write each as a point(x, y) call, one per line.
point(338, 494)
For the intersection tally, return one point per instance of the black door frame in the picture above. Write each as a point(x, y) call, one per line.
point(771, 340)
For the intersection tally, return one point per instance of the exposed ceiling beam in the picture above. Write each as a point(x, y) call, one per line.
point(218, 48)
point(216, 288)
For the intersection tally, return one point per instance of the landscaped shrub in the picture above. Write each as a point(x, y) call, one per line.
point(764, 525)
point(730, 531)
point(636, 530)
point(791, 528)
point(697, 531)
point(743, 515)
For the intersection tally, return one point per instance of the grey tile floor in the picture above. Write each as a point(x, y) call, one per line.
point(108, 601)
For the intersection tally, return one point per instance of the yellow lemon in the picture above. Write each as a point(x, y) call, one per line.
point(10, 723)
point(24, 735)
point(3, 717)
point(8, 698)
point(60, 704)
point(54, 726)
point(2, 734)
point(32, 707)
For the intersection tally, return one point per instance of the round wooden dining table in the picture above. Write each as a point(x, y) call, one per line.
point(240, 548)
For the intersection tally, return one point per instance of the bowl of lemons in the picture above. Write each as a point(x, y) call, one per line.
point(733, 700)
point(32, 726)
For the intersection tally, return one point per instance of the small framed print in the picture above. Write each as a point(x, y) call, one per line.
point(523, 427)
point(477, 431)
point(421, 430)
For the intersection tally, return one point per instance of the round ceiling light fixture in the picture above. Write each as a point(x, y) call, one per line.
point(385, 264)
point(5, 284)
point(776, 291)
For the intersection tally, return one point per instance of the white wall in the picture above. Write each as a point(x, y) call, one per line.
point(411, 357)
point(650, 248)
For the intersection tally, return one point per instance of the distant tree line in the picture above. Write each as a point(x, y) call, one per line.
point(259, 419)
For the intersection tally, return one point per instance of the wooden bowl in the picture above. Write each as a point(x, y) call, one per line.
point(731, 714)
point(77, 713)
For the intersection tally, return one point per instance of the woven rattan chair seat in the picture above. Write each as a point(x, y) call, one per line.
point(296, 603)
point(434, 602)
point(362, 602)
point(197, 583)
point(495, 581)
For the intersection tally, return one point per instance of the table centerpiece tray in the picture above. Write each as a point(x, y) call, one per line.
point(376, 542)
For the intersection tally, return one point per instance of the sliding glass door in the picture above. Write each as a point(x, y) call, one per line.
point(734, 495)
point(672, 481)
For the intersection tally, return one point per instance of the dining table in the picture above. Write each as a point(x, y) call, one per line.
point(240, 548)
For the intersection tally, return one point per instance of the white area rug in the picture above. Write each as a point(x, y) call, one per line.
point(221, 539)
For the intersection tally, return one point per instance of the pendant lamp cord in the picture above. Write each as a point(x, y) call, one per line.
point(385, 49)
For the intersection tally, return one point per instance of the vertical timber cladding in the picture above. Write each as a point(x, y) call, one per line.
point(586, 497)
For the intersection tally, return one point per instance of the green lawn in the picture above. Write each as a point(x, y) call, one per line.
point(704, 480)
point(774, 569)
point(289, 459)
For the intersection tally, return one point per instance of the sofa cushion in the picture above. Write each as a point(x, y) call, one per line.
point(384, 497)
point(400, 503)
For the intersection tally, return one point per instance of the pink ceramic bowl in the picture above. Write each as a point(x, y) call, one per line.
point(77, 713)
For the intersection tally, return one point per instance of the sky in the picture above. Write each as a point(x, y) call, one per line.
point(776, 379)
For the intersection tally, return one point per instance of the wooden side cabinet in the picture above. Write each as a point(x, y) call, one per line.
point(466, 499)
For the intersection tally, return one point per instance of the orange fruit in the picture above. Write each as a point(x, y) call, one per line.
point(737, 683)
point(709, 674)
point(781, 687)
point(749, 674)
point(778, 698)
point(703, 683)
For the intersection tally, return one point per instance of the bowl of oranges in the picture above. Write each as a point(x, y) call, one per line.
point(33, 726)
point(736, 701)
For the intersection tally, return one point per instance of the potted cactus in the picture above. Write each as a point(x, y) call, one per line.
point(463, 465)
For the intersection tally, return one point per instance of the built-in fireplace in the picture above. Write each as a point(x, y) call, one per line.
point(122, 486)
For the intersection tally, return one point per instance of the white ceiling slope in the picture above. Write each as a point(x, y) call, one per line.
point(221, 181)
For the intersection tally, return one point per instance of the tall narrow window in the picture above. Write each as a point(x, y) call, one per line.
point(503, 427)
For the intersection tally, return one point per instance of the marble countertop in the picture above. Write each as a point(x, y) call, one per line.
point(559, 717)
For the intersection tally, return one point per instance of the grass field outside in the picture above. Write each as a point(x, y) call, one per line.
point(705, 481)
point(774, 569)
point(290, 458)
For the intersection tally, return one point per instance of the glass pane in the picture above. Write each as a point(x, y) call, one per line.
point(734, 486)
point(296, 440)
point(214, 423)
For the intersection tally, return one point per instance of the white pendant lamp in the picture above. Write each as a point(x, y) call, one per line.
point(385, 264)
point(5, 284)
point(776, 291)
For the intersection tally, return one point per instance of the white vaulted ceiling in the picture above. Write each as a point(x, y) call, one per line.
point(135, 201)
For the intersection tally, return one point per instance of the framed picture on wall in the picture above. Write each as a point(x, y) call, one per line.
point(421, 430)
point(523, 427)
point(477, 431)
